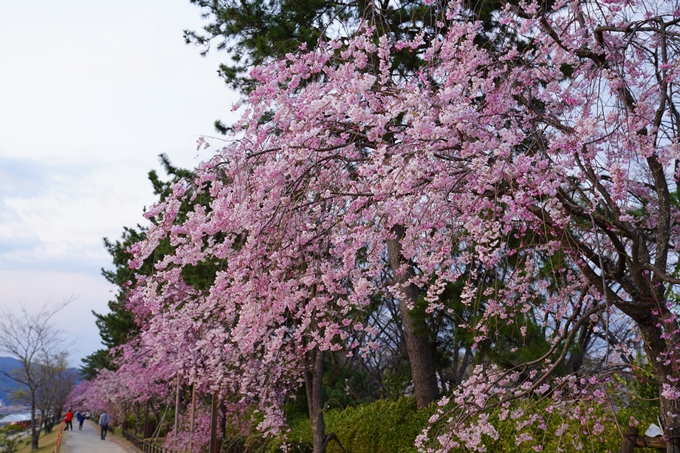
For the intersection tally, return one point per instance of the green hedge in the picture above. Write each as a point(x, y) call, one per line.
point(384, 426)
point(389, 426)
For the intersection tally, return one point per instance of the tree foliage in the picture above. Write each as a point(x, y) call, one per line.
point(256, 32)
point(119, 326)
point(517, 192)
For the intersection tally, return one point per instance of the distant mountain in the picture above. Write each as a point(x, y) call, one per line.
point(7, 385)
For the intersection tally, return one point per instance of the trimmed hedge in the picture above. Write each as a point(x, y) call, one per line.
point(384, 426)
point(391, 426)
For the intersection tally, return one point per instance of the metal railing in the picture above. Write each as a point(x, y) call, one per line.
point(143, 445)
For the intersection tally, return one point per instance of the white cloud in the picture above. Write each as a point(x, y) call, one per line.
point(34, 288)
point(91, 93)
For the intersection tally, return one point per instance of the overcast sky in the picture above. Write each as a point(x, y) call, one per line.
point(90, 93)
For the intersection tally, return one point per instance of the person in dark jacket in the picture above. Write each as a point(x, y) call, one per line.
point(81, 418)
point(104, 420)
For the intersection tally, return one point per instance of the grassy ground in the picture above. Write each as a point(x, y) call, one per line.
point(46, 442)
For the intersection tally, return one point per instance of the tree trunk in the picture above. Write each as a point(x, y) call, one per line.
point(418, 348)
point(48, 424)
point(578, 353)
point(174, 431)
point(671, 424)
point(145, 427)
point(655, 346)
point(35, 434)
point(223, 409)
point(313, 387)
point(191, 420)
point(138, 419)
point(214, 447)
point(419, 355)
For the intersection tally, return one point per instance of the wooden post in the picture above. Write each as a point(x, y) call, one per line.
point(628, 444)
point(213, 425)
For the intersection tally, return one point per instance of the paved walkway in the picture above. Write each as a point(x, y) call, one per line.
point(88, 440)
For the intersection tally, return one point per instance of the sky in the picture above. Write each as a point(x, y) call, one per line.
point(91, 92)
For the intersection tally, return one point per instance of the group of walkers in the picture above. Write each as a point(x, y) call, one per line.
point(69, 420)
point(104, 420)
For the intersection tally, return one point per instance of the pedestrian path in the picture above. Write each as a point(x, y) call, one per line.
point(88, 440)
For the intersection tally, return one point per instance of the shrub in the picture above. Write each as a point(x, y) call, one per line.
point(391, 426)
point(384, 426)
point(8, 443)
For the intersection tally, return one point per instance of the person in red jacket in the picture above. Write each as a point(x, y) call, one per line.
point(69, 420)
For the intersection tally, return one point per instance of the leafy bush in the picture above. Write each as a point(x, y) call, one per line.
point(8, 443)
point(391, 426)
point(384, 426)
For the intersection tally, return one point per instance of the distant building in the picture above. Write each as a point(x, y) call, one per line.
point(23, 420)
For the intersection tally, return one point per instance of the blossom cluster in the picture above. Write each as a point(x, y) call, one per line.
point(489, 160)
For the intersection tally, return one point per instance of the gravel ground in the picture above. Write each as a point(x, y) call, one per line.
point(89, 441)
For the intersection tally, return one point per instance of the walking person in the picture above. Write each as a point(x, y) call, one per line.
point(81, 418)
point(104, 423)
point(69, 420)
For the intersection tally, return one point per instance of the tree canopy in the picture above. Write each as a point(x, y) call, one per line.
point(118, 326)
point(255, 32)
point(526, 189)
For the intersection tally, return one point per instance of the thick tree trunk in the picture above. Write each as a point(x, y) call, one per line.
point(313, 387)
point(671, 424)
point(48, 424)
point(418, 347)
point(656, 348)
point(578, 353)
point(423, 372)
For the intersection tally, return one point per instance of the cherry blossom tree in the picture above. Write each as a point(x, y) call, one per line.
point(540, 174)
